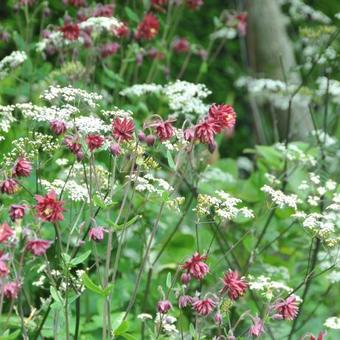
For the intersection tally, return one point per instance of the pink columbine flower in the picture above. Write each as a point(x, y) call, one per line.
point(204, 307)
point(164, 129)
point(22, 167)
point(122, 129)
point(181, 45)
point(122, 31)
point(49, 208)
point(206, 130)
point(37, 247)
point(4, 271)
point(234, 285)
point(94, 142)
point(218, 318)
point(9, 186)
point(17, 212)
point(196, 266)
point(223, 115)
point(70, 31)
point(5, 232)
point(11, 290)
point(58, 127)
point(286, 309)
point(164, 306)
point(97, 234)
point(189, 134)
point(72, 144)
point(321, 336)
point(257, 328)
point(242, 23)
point(109, 49)
point(194, 4)
point(148, 28)
point(184, 301)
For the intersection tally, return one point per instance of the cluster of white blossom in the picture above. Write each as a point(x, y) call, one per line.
point(117, 113)
point(294, 153)
point(166, 323)
point(313, 54)
point(70, 94)
point(332, 86)
point(223, 205)
point(183, 97)
point(75, 191)
point(139, 90)
point(298, 10)
point(99, 25)
point(281, 199)
point(90, 124)
point(333, 322)
point(224, 33)
point(150, 184)
point(274, 91)
point(10, 62)
point(6, 118)
point(324, 137)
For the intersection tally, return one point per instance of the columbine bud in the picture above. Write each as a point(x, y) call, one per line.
point(218, 318)
point(17, 212)
point(22, 168)
point(184, 301)
point(212, 147)
point(97, 234)
point(58, 127)
point(164, 306)
point(80, 155)
point(185, 278)
point(189, 134)
point(9, 186)
point(141, 136)
point(115, 149)
point(150, 140)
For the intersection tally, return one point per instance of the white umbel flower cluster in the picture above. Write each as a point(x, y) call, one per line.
point(6, 118)
point(139, 90)
point(11, 62)
point(281, 199)
point(224, 205)
point(99, 25)
point(333, 322)
point(70, 94)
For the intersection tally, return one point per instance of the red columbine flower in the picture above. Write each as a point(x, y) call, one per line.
point(109, 49)
point(234, 285)
point(9, 186)
point(204, 307)
point(194, 4)
point(70, 31)
point(17, 212)
point(122, 129)
point(97, 234)
point(223, 115)
point(5, 232)
point(286, 309)
point(148, 28)
point(206, 130)
point(49, 208)
point(72, 144)
point(122, 31)
point(184, 301)
point(242, 23)
point(38, 247)
point(181, 45)
point(11, 290)
point(257, 328)
point(94, 141)
point(164, 306)
point(164, 129)
point(58, 127)
point(4, 271)
point(22, 167)
point(196, 267)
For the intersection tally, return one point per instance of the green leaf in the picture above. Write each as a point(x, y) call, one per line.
point(170, 160)
point(168, 280)
point(131, 14)
point(119, 227)
point(90, 285)
point(98, 202)
point(11, 336)
point(56, 295)
point(81, 258)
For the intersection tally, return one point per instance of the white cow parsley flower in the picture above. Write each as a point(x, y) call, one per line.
point(10, 62)
point(333, 322)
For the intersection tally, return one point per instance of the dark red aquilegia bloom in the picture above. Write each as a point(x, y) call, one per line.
point(286, 309)
point(234, 285)
point(22, 167)
point(196, 266)
point(164, 129)
point(94, 142)
point(70, 31)
point(49, 208)
point(223, 115)
point(122, 129)
point(5, 232)
point(148, 28)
